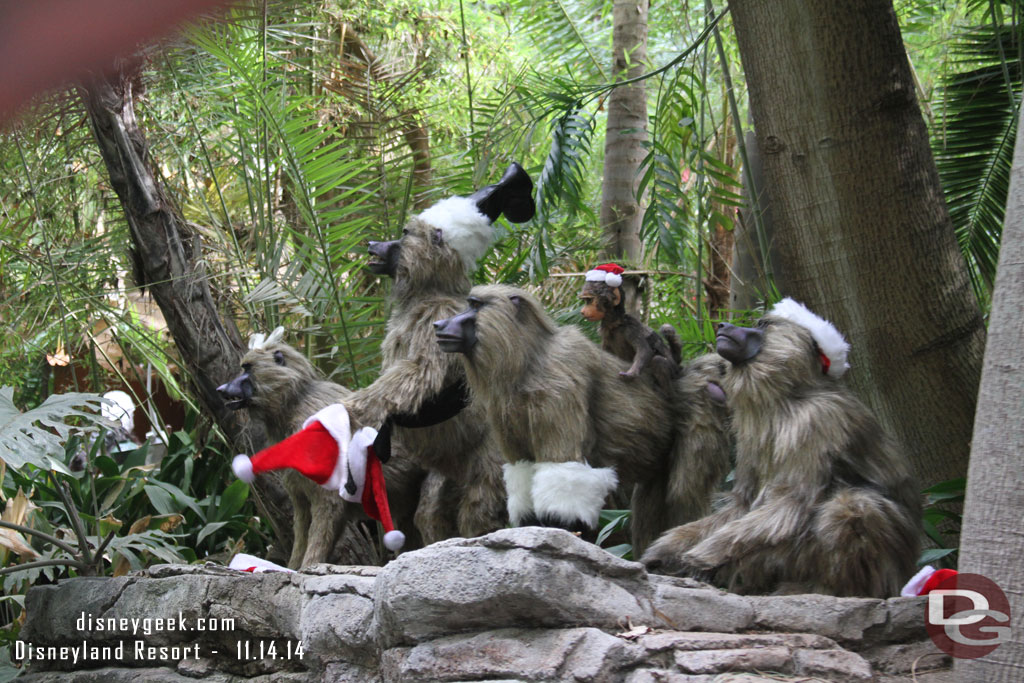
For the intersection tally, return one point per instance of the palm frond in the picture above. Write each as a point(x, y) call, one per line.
point(974, 139)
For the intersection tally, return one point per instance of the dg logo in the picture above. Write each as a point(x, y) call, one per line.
point(968, 616)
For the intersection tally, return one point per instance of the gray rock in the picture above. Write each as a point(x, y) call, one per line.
point(775, 659)
point(526, 577)
point(838, 666)
point(339, 628)
point(583, 654)
point(676, 641)
point(844, 619)
point(702, 609)
point(904, 658)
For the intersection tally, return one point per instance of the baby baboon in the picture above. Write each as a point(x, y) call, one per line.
point(822, 500)
point(282, 389)
point(623, 335)
point(568, 426)
point(419, 386)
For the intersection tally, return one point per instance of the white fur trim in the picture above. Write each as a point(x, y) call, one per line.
point(259, 340)
point(571, 491)
point(518, 484)
point(393, 540)
point(915, 584)
point(334, 418)
point(361, 442)
point(613, 280)
point(465, 229)
point(243, 562)
point(242, 467)
point(828, 338)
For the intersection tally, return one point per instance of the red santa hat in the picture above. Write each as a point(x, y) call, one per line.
point(832, 347)
point(926, 580)
point(326, 451)
point(608, 273)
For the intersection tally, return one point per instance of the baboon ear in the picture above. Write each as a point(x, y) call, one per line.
point(436, 236)
point(279, 357)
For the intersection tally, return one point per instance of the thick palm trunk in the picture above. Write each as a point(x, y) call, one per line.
point(625, 134)
point(861, 229)
point(992, 544)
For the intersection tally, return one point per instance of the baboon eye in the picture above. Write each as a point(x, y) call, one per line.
point(279, 357)
point(516, 299)
point(405, 231)
point(762, 323)
point(437, 236)
point(475, 304)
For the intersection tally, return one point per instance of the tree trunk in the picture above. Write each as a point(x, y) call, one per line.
point(171, 264)
point(992, 544)
point(625, 134)
point(861, 227)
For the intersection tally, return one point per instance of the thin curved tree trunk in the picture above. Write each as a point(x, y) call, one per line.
point(861, 228)
point(991, 541)
point(626, 132)
point(170, 260)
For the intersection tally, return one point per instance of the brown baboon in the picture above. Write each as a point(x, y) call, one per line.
point(625, 336)
point(420, 387)
point(568, 426)
point(822, 501)
point(282, 389)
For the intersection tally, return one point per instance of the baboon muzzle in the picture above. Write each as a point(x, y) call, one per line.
point(458, 333)
point(237, 393)
point(385, 257)
point(738, 344)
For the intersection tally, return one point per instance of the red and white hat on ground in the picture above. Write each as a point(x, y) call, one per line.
point(608, 273)
point(326, 451)
point(832, 347)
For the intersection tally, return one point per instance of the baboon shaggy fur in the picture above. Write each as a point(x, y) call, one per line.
point(553, 396)
point(822, 501)
point(285, 390)
point(430, 282)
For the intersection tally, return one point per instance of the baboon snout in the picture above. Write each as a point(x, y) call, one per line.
point(458, 333)
point(738, 344)
point(237, 393)
point(385, 257)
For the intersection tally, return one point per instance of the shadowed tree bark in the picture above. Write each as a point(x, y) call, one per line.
point(169, 257)
point(861, 229)
point(625, 134)
point(991, 541)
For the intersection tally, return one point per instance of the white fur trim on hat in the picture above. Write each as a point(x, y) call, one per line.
point(828, 338)
point(571, 491)
point(393, 540)
point(242, 467)
point(465, 228)
point(259, 340)
point(357, 448)
point(258, 565)
point(518, 482)
point(334, 419)
point(917, 582)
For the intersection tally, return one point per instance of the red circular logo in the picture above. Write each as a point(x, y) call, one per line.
point(967, 616)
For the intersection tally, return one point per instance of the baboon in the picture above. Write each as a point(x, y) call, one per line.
point(419, 386)
point(624, 335)
point(281, 388)
point(568, 427)
point(822, 500)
